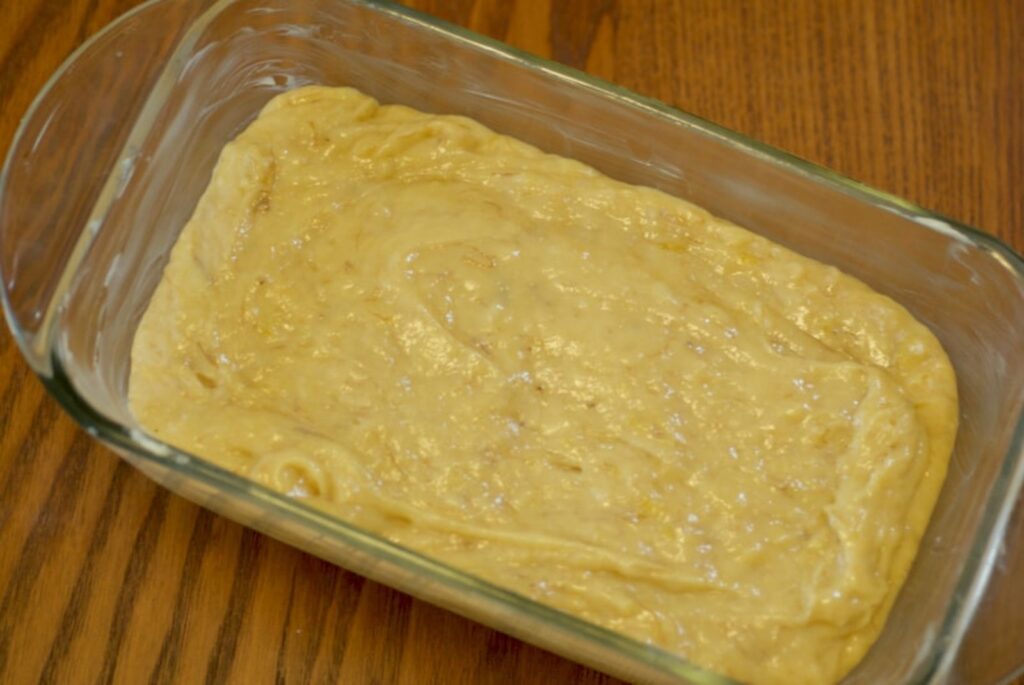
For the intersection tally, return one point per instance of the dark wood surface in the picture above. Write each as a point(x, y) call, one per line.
point(106, 577)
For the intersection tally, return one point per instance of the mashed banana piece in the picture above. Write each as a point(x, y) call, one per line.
point(594, 394)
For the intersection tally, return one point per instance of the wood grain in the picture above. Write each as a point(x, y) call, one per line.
point(104, 577)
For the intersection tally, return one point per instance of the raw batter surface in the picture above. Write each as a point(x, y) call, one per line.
point(594, 394)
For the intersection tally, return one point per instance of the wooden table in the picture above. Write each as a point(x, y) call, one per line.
point(104, 576)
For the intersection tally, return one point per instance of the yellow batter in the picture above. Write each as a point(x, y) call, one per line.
point(595, 394)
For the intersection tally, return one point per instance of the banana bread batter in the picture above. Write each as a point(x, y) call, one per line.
point(594, 394)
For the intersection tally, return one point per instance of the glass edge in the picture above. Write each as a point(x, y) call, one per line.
point(1012, 676)
point(995, 517)
point(980, 564)
point(39, 363)
point(806, 168)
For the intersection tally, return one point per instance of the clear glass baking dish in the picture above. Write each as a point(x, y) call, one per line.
point(110, 161)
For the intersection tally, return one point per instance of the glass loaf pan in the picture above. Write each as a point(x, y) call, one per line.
point(111, 159)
